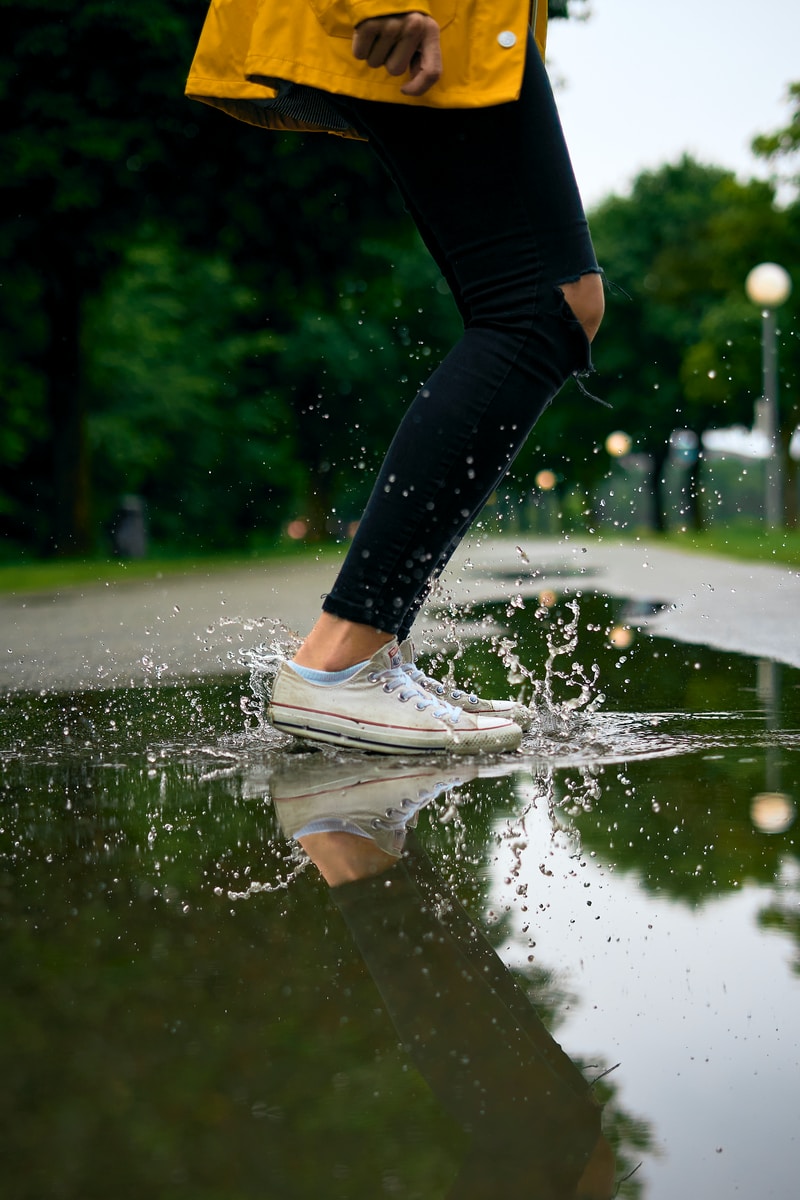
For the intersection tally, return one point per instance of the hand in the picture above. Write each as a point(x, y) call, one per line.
point(402, 42)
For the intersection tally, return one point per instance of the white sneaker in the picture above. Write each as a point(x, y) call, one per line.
point(377, 799)
point(520, 714)
point(382, 709)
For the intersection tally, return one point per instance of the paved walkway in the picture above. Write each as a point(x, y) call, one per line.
point(117, 634)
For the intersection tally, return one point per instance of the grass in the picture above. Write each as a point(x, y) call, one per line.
point(747, 543)
point(55, 575)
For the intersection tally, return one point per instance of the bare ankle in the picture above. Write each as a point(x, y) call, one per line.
point(335, 644)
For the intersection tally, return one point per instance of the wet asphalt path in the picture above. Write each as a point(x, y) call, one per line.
point(195, 625)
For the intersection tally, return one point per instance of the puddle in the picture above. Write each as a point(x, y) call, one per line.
point(189, 1010)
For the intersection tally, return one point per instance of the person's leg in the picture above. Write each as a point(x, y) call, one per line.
point(494, 196)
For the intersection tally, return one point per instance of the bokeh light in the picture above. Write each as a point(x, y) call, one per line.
point(618, 444)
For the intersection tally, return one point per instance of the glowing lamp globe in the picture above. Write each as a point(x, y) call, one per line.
point(768, 285)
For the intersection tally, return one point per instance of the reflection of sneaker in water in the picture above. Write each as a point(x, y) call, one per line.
point(378, 800)
point(380, 708)
point(520, 714)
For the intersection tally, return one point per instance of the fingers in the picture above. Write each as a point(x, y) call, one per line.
point(425, 67)
point(407, 43)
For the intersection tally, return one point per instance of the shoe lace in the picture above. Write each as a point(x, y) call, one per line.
point(434, 685)
point(397, 679)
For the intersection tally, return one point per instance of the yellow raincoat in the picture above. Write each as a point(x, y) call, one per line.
point(250, 50)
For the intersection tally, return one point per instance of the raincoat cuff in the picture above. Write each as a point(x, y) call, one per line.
point(364, 10)
point(340, 17)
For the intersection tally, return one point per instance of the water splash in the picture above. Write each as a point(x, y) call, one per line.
point(263, 662)
point(556, 716)
point(290, 858)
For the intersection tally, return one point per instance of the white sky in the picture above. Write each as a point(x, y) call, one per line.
point(646, 80)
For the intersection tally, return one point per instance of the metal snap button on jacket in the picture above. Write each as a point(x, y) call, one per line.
point(507, 39)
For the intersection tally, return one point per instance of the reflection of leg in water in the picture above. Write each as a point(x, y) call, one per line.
point(597, 1181)
point(471, 1031)
point(476, 1040)
point(528, 1109)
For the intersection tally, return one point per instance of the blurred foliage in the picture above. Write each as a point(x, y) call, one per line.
point(567, 8)
point(195, 400)
point(782, 146)
point(349, 368)
point(229, 323)
point(178, 413)
point(680, 343)
point(783, 916)
point(103, 152)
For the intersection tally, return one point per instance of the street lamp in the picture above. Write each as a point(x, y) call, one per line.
point(768, 285)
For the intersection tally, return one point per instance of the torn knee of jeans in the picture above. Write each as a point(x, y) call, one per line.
point(587, 323)
point(579, 275)
point(594, 300)
point(581, 343)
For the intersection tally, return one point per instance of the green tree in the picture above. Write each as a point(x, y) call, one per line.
point(679, 344)
point(566, 8)
point(349, 365)
point(783, 146)
point(178, 407)
point(100, 142)
point(193, 397)
point(651, 317)
point(82, 142)
point(721, 372)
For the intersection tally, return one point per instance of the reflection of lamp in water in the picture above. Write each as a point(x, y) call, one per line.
point(768, 285)
point(618, 444)
point(772, 812)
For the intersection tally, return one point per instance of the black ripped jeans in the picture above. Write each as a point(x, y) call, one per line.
point(494, 197)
